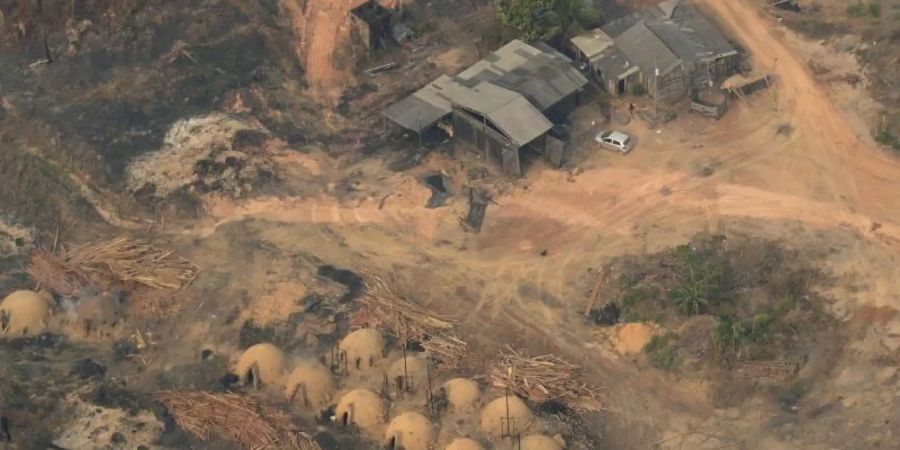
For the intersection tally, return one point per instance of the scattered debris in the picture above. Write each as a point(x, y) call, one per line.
point(785, 129)
point(440, 189)
point(657, 117)
point(381, 68)
point(478, 200)
point(388, 305)
point(238, 418)
point(120, 260)
point(206, 153)
point(14, 239)
point(543, 378)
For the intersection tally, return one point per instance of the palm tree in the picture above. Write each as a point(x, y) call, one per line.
point(568, 18)
point(691, 296)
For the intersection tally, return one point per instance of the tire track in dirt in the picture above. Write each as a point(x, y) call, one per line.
point(854, 166)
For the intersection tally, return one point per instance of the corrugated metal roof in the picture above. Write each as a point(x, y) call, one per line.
point(643, 48)
point(620, 25)
point(592, 43)
point(691, 35)
point(613, 64)
point(509, 111)
point(426, 106)
point(543, 78)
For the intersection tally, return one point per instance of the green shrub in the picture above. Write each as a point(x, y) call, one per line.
point(638, 90)
point(888, 139)
point(700, 278)
point(875, 9)
point(661, 350)
point(859, 10)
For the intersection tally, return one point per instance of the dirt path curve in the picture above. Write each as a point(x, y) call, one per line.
point(864, 177)
point(327, 27)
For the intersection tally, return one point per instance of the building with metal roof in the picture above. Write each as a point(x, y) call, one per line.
point(668, 49)
point(500, 105)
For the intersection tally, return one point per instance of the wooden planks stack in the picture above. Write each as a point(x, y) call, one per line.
point(235, 417)
point(542, 379)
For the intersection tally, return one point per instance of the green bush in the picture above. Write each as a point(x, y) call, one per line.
point(700, 278)
point(661, 350)
point(859, 10)
point(875, 9)
point(888, 139)
point(856, 10)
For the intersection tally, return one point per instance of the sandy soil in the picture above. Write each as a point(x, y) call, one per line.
point(787, 164)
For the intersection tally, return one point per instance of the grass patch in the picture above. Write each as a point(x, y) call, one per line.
point(888, 139)
point(758, 292)
point(859, 9)
point(816, 29)
point(661, 351)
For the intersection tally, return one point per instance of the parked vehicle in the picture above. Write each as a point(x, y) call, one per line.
point(615, 140)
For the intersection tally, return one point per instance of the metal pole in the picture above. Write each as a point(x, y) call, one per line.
point(405, 374)
point(508, 428)
point(655, 86)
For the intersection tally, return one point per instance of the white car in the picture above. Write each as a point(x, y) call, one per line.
point(615, 140)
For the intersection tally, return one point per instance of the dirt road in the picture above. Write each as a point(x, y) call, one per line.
point(862, 176)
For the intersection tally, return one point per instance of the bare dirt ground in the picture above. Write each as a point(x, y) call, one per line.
point(790, 164)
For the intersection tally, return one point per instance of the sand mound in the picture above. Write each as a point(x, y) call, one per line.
point(309, 384)
point(24, 313)
point(362, 349)
point(494, 416)
point(261, 363)
point(540, 442)
point(200, 151)
point(409, 431)
point(462, 393)
point(362, 408)
point(415, 369)
point(632, 337)
point(464, 444)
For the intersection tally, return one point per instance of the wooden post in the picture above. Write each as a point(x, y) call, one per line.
point(601, 274)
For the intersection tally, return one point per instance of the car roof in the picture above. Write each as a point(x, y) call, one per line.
point(619, 136)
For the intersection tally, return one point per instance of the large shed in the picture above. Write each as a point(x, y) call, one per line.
point(500, 105)
point(669, 49)
point(544, 76)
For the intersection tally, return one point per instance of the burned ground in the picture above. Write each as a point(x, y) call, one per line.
point(793, 346)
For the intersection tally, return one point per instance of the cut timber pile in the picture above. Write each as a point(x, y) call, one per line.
point(543, 378)
point(235, 417)
point(388, 305)
point(118, 260)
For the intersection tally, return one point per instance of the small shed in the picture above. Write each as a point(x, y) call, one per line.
point(608, 65)
point(371, 25)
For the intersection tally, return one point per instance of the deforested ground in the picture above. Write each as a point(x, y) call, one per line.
point(185, 181)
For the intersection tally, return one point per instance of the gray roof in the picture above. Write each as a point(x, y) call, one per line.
point(592, 43)
point(620, 25)
point(518, 119)
point(664, 9)
point(510, 87)
point(613, 64)
point(643, 48)
point(542, 77)
point(426, 106)
point(691, 36)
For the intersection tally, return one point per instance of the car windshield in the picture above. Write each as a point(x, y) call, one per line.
point(606, 134)
point(626, 141)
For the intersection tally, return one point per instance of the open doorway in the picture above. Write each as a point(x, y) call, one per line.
point(620, 87)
